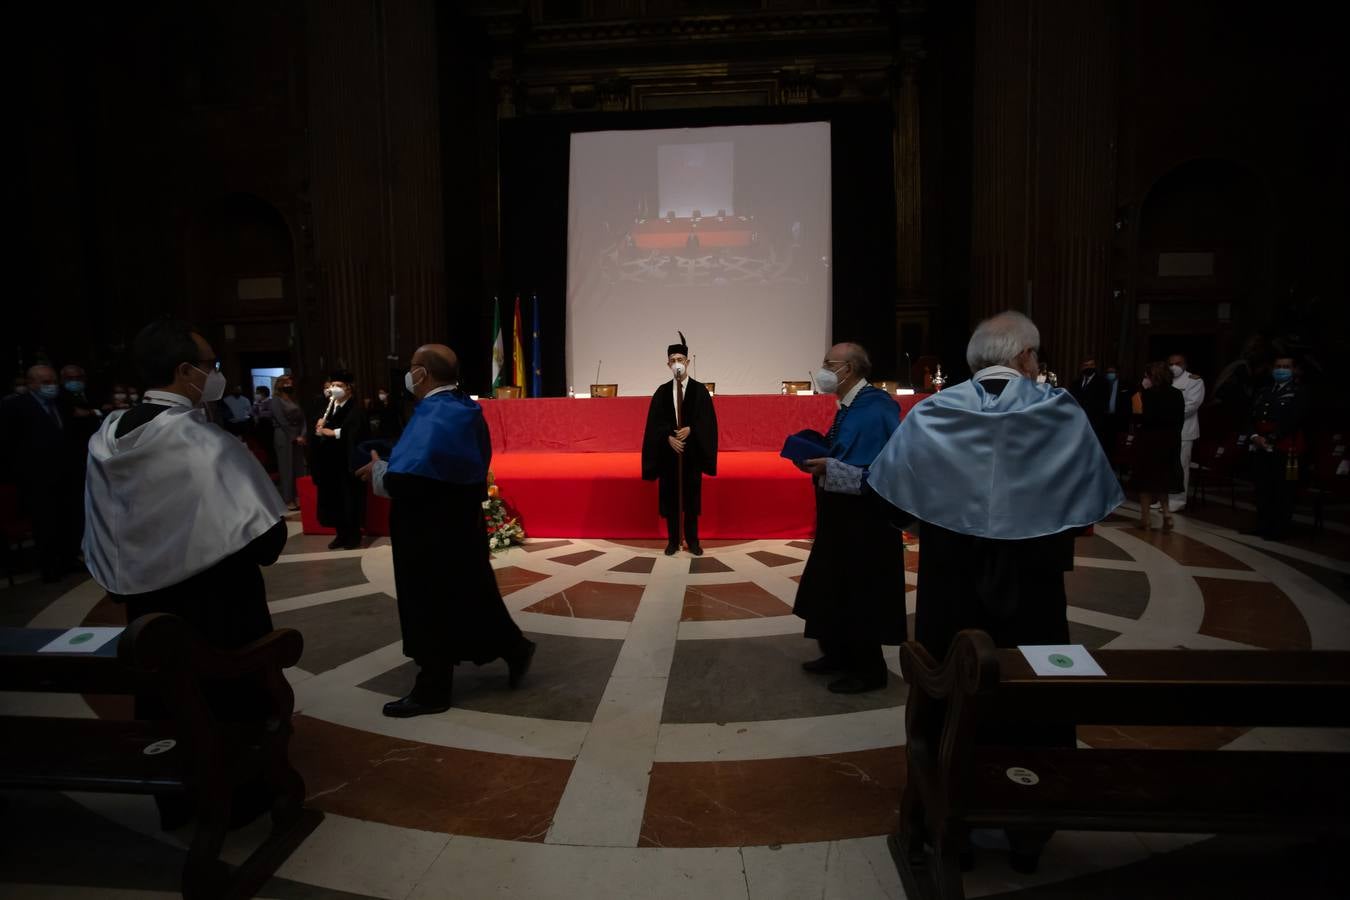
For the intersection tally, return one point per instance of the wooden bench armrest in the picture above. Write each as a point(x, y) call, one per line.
point(970, 667)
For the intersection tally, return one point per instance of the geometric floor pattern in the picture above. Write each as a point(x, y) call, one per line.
point(666, 741)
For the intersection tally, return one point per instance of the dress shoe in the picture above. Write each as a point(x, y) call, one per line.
point(696, 549)
point(518, 662)
point(410, 706)
point(856, 684)
point(335, 544)
point(352, 545)
point(672, 549)
point(821, 666)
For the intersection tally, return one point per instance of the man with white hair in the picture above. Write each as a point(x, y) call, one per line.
point(1002, 472)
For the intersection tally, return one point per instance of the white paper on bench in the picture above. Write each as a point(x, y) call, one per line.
point(1061, 659)
point(82, 640)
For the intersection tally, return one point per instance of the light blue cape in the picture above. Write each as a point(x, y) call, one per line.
point(1020, 464)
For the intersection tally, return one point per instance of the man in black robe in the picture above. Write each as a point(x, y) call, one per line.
point(342, 496)
point(681, 434)
point(449, 606)
point(182, 524)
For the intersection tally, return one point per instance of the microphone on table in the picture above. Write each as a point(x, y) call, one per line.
point(909, 370)
point(598, 363)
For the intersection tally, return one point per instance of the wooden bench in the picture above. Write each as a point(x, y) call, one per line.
point(193, 751)
point(957, 781)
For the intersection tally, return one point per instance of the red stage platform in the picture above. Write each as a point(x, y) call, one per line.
point(572, 468)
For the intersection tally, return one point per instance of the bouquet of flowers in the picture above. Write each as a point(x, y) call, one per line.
point(503, 526)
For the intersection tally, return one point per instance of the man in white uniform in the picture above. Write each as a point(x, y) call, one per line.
point(1193, 390)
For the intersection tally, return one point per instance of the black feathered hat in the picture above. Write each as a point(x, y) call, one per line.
point(682, 347)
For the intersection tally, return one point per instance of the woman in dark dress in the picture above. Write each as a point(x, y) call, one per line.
point(1159, 410)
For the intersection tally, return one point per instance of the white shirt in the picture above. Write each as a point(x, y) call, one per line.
point(241, 408)
point(1193, 391)
point(998, 373)
point(675, 399)
point(847, 399)
point(334, 407)
point(167, 398)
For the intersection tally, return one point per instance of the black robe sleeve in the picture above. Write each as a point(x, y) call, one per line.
point(701, 418)
point(660, 425)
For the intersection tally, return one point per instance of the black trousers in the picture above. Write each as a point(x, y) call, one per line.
point(690, 529)
point(855, 656)
point(1275, 494)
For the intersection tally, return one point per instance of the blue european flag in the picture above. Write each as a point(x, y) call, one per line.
point(538, 360)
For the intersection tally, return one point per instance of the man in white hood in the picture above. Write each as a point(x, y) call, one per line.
point(179, 515)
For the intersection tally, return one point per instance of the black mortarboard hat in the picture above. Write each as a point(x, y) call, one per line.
point(343, 375)
point(682, 347)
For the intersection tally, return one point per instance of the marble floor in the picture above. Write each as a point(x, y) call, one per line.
point(666, 742)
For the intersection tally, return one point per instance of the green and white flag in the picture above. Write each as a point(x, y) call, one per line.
point(498, 348)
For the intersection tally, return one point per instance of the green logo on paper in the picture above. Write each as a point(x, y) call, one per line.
point(1059, 659)
point(81, 638)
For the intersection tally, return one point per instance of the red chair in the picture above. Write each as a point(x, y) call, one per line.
point(14, 526)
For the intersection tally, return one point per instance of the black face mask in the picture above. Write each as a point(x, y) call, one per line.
point(1089, 372)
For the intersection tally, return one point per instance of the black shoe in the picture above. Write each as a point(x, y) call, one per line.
point(696, 549)
point(821, 666)
point(672, 548)
point(519, 661)
point(410, 706)
point(854, 684)
point(352, 545)
point(335, 544)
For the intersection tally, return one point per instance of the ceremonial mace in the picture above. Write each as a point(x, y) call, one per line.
point(679, 457)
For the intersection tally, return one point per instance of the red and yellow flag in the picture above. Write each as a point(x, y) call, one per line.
point(517, 354)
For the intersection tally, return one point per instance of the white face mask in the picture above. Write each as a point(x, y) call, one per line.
point(1146, 383)
point(408, 381)
point(120, 398)
point(384, 398)
point(134, 398)
point(827, 382)
point(214, 388)
point(678, 368)
point(339, 394)
point(1176, 371)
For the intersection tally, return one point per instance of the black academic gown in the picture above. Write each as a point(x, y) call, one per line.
point(44, 458)
point(342, 496)
point(449, 606)
point(659, 461)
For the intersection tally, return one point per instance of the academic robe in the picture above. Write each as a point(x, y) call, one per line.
point(226, 522)
point(449, 606)
point(848, 587)
point(342, 496)
point(1002, 474)
point(659, 461)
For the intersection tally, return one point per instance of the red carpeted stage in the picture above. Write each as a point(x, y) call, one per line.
point(571, 468)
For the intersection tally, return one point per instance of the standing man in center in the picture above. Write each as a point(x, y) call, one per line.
point(681, 433)
point(342, 498)
point(847, 594)
point(449, 606)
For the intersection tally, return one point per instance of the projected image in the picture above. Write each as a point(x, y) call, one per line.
point(731, 225)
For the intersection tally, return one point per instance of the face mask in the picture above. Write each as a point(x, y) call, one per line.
point(1090, 371)
point(678, 369)
point(408, 381)
point(214, 388)
point(135, 398)
point(75, 387)
point(1110, 376)
point(1282, 375)
point(1040, 379)
point(339, 394)
point(827, 382)
point(120, 398)
point(1146, 383)
point(384, 398)
point(48, 391)
point(1176, 371)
